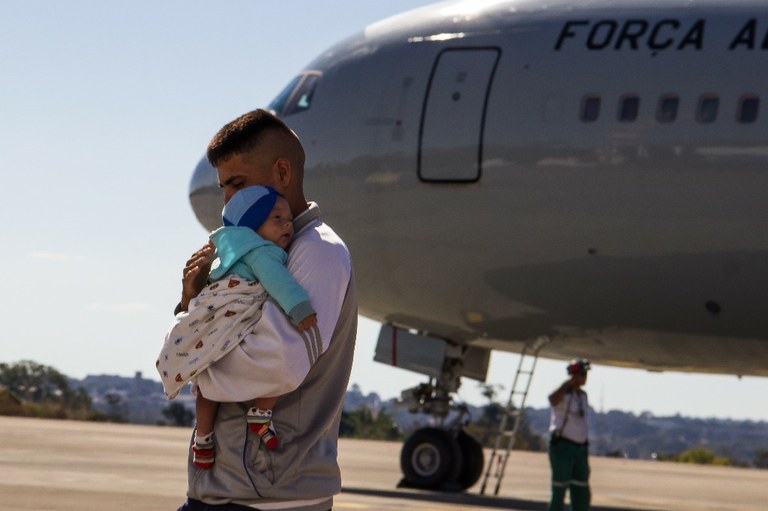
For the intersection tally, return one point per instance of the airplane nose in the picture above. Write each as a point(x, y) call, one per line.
point(205, 195)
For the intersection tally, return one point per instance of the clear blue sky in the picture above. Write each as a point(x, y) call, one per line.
point(105, 109)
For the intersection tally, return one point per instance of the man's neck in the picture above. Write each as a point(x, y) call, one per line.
point(298, 206)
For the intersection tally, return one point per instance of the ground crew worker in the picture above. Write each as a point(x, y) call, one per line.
point(568, 439)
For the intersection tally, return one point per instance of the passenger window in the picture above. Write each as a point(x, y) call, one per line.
point(590, 108)
point(667, 108)
point(707, 109)
point(297, 96)
point(629, 106)
point(749, 106)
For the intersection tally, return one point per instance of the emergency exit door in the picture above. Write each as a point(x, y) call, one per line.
point(453, 117)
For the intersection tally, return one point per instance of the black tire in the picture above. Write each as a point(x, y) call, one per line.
point(474, 460)
point(430, 458)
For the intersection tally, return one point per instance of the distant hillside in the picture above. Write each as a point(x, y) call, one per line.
point(645, 436)
point(614, 433)
point(137, 400)
point(623, 434)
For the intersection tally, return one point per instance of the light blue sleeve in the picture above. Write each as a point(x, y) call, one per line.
point(232, 245)
point(268, 264)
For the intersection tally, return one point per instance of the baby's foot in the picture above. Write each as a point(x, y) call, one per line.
point(203, 454)
point(260, 422)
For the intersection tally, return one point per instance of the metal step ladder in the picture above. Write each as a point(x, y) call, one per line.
point(507, 433)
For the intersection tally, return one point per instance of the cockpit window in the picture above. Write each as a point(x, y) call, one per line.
point(279, 102)
point(297, 96)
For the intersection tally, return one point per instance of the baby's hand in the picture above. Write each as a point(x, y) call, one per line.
point(307, 322)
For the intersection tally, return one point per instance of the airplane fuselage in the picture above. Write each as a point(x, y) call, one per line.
point(591, 172)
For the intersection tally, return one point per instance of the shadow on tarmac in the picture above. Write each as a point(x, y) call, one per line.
point(468, 499)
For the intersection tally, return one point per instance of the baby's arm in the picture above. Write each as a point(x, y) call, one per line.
point(269, 268)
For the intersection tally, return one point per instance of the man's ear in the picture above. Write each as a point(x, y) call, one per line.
point(284, 171)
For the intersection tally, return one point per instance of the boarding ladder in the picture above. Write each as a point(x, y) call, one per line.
point(507, 432)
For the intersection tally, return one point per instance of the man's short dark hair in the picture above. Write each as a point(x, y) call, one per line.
point(244, 134)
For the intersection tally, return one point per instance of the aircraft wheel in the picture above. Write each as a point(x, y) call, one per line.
point(430, 457)
point(472, 454)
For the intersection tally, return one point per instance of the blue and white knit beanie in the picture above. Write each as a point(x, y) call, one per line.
point(249, 207)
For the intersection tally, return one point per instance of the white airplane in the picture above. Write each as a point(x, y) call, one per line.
point(593, 173)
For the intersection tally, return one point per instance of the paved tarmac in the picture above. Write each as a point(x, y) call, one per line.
point(52, 465)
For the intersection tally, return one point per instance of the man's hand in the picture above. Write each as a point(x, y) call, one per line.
point(307, 323)
point(559, 393)
point(196, 274)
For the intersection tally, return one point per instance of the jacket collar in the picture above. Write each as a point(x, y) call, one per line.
point(308, 216)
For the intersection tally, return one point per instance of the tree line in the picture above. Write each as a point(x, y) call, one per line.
point(37, 390)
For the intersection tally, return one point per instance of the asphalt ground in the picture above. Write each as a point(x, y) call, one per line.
point(83, 466)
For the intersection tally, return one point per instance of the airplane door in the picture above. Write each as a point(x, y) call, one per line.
point(452, 121)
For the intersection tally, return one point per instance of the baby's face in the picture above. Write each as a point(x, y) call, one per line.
point(278, 227)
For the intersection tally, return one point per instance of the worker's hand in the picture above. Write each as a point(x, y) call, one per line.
point(196, 274)
point(307, 323)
